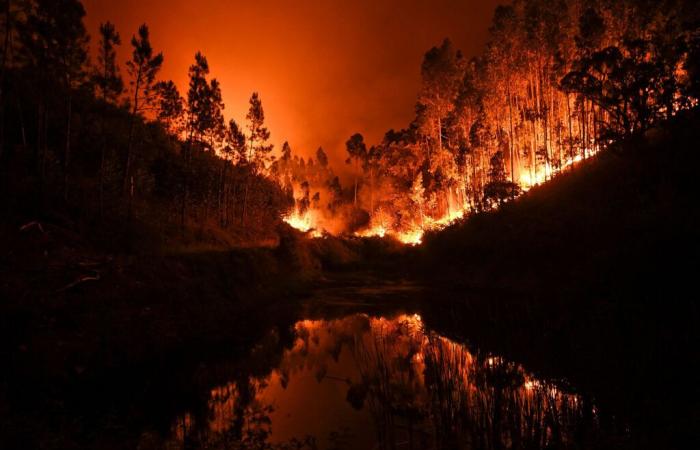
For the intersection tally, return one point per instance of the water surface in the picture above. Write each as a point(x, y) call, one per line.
point(381, 381)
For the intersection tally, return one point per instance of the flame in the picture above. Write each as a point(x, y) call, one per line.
point(303, 222)
point(414, 235)
point(310, 221)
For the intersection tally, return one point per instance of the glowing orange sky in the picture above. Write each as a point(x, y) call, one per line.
point(324, 69)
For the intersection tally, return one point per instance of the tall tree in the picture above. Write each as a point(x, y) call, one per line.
point(143, 67)
point(110, 85)
point(321, 157)
point(106, 76)
point(441, 73)
point(56, 41)
point(198, 120)
point(12, 12)
point(170, 106)
point(260, 149)
point(357, 155)
point(235, 145)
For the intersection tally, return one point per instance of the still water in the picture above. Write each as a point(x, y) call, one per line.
point(364, 381)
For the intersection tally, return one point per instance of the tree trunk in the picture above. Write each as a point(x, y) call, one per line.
point(22, 127)
point(66, 153)
point(5, 55)
point(510, 135)
point(245, 200)
point(132, 124)
point(355, 200)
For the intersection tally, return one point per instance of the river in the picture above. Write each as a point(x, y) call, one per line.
point(358, 371)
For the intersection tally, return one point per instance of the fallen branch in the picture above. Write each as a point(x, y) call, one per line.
point(80, 280)
point(29, 225)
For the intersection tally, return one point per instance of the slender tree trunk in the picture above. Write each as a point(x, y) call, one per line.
point(101, 186)
point(583, 128)
point(103, 144)
point(510, 136)
point(245, 200)
point(22, 127)
point(5, 56)
point(185, 181)
point(37, 144)
point(222, 194)
point(132, 124)
point(355, 200)
point(371, 190)
point(571, 134)
point(66, 153)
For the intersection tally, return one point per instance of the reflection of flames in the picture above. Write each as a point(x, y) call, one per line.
point(402, 366)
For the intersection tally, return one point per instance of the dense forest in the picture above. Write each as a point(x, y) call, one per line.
point(558, 82)
point(94, 145)
point(90, 143)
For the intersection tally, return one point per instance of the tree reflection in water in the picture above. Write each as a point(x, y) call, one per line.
point(417, 389)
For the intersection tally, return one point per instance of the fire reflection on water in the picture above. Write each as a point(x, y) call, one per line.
point(342, 378)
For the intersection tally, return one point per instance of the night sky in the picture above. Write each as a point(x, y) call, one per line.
point(324, 69)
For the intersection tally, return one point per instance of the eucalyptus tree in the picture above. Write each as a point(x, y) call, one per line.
point(357, 156)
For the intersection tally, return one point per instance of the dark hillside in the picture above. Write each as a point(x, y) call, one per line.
point(591, 277)
point(626, 220)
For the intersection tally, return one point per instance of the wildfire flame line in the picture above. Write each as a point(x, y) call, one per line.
point(414, 236)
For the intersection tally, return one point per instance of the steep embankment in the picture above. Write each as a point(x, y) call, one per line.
point(591, 277)
point(626, 219)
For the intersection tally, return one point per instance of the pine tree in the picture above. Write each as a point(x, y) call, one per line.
point(260, 150)
point(143, 67)
point(109, 85)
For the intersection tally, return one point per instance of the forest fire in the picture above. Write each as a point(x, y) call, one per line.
point(305, 222)
point(310, 221)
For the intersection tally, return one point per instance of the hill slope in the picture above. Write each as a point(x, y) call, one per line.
point(625, 219)
point(591, 277)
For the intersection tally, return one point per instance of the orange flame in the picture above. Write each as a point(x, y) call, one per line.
point(309, 222)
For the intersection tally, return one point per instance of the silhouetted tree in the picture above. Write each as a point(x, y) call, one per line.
point(260, 150)
point(109, 85)
point(357, 155)
point(143, 67)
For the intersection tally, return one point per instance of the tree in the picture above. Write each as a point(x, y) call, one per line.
point(357, 154)
point(260, 150)
point(170, 106)
point(321, 157)
point(286, 152)
point(441, 72)
point(499, 188)
point(336, 194)
point(107, 78)
point(143, 67)
point(110, 85)
point(12, 13)
point(234, 147)
point(236, 139)
point(417, 195)
point(56, 41)
point(205, 118)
